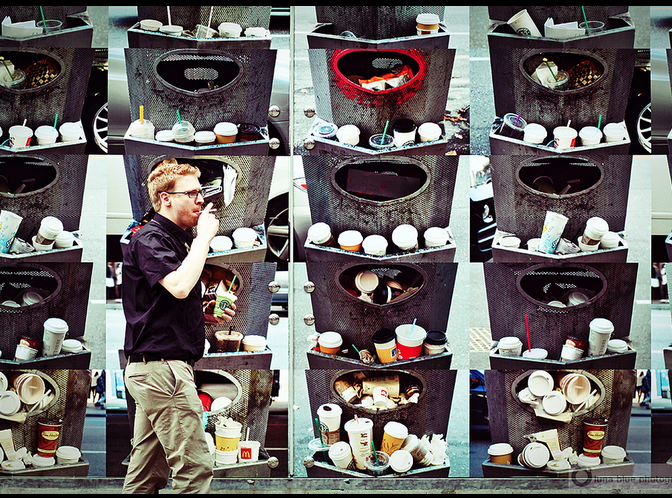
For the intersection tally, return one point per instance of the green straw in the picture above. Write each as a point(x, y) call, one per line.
point(385, 130)
point(549, 68)
point(585, 19)
point(355, 349)
point(8, 71)
point(55, 120)
point(374, 452)
point(178, 116)
point(232, 281)
point(43, 19)
point(599, 122)
point(412, 327)
point(319, 433)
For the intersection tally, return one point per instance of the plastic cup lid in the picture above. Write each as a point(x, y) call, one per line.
point(367, 281)
point(65, 238)
point(46, 131)
point(509, 342)
point(613, 451)
point(9, 402)
point(535, 129)
point(590, 132)
point(330, 339)
point(437, 337)
point(617, 345)
point(588, 461)
point(396, 429)
point(375, 242)
point(404, 330)
point(244, 234)
point(317, 445)
point(538, 353)
point(329, 410)
point(20, 130)
point(319, 232)
point(350, 238)
point(427, 18)
point(164, 135)
point(68, 452)
point(404, 235)
point(326, 130)
point(220, 403)
point(359, 425)
point(540, 382)
point(497, 449)
point(554, 403)
point(71, 345)
point(436, 235)
point(254, 340)
point(564, 131)
point(347, 131)
point(382, 336)
point(56, 325)
point(204, 136)
point(601, 325)
point(401, 460)
point(221, 243)
point(404, 125)
point(536, 455)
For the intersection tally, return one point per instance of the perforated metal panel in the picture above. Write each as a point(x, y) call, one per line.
point(167, 81)
point(252, 403)
point(253, 303)
point(59, 192)
point(427, 202)
point(430, 415)
point(510, 419)
point(64, 95)
point(376, 22)
point(68, 285)
point(521, 208)
point(253, 184)
point(514, 290)
point(188, 16)
point(515, 91)
point(339, 100)
point(560, 14)
point(76, 30)
point(337, 310)
point(72, 388)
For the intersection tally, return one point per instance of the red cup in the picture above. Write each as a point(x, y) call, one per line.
point(593, 436)
point(206, 400)
point(48, 432)
point(31, 343)
point(577, 343)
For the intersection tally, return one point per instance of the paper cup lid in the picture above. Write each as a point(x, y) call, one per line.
point(498, 449)
point(436, 337)
point(52, 225)
point(350, 238)
point(617, 345)
point(204, 136)
point(540, 382)
point(339, 450)
point(56, 325)
point(46, 131)
point(404, 330)
point(613, 451)
point(65, 238)
point(538, 353)
point(588, 461)
point(329, 410)
point(436, 235)
point(565, 131)
point(20, 130)
point(68, 452)
point(597, 225)
point(590, 132)
point(319, 232)
point(396, 429)
point(330, 339)
point(404, 235)
point(221, 243)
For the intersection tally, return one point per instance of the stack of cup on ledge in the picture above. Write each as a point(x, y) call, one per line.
point(595, 229)
point(9, 225)
point(50, 228)
point(227, 438)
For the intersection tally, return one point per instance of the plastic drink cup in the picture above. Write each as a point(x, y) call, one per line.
point(513, 126)
point(204, 32)
point(248, 451)
point(71, 132)
point(510, 346)
point(329, 415)
point(224, 299)
point(229, 30)
point(558, 80)
point(501, 453)
point(409, 344)
point(614, 132)
point(226, 132)
point(590, 135)
point(142, 129)
point(564, 137)
point(534, 133)
point(385, 343)
point(523, 24)
point(46, 135)
point(183, 132)
point(49, 25)
point(360, 435)
point(9, 225)
point(48, 432)
point(19, 136)
point(436, 237)
point(594, 231)
point(377, 464)
point(341, 454)
point(54, 333)
point(15, 81)
point(380, 142)
point(554, 224)
point(592, 27)
point(375, 245)
point(228, 341)
point(394, 434)
point(598, 338)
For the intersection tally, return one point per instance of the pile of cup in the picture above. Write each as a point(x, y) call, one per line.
point(21, 390)
point(570, 392)
point(227, 438)
point(408, 341)
point(183, 132)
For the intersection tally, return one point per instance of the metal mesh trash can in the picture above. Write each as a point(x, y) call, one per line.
point(430, 415)
point(67, 403)
point(207, 87)
point(76, 28)
point(511, 419)
point(516, 290)
point(374, 26)
point(65, 291)
point(55, 188)
point(246, 209)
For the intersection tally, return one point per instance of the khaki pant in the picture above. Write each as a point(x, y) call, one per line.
point(168, 434)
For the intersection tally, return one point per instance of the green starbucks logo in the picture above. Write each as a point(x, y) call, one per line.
point(524, 31)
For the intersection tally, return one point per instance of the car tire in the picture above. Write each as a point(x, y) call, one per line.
point(278, 230)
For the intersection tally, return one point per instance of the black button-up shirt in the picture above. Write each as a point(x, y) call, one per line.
point(158, 323)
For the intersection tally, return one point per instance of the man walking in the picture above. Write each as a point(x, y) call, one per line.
point(165, 335)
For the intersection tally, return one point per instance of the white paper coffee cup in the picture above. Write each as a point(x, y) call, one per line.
point(360, 435)
point(510, 346)
point(598, 338)
point(523, 24)
point(9, 225)
point(590, 135)
point(554, 224)
point(54, 333)
point(329, 415)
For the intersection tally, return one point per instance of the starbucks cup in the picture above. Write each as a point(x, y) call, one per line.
point(405, 237)
point(54, 333)
point(385, 342)
point(614, 132)
point(341, 454)
point(534, 133)
point(598, 338)
point(404, 132)
point(50, 228)
point(9, 225)
point(183, 132)
point(595, 229)
point(590, 135)
point(19, 136)
point(223, 299)
point(394, 434)
point(330, 342)
point(523, 24)
point(554, 224)
point(510, 346)
point(375, 245)
point(436, 237)
point(409, 340)
point(46, 135)
point(329, 416)
point(360, 435)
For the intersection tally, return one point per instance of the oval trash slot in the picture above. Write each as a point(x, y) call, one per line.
point(560, 175)
point(550, 285)
point(381, 180)
point(390, 284)
point(563, 71)
point(24, 174)
point(28, 70)
point(197, 73)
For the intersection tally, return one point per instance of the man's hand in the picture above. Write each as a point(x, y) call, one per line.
point(229, 313)
point(208, 224)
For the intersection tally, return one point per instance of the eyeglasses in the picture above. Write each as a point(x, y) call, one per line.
point(192, 194)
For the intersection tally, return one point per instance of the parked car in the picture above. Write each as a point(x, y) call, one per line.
point(478, 405)
point(482, 225)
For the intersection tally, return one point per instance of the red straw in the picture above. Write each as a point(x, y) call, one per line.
point(527, 326)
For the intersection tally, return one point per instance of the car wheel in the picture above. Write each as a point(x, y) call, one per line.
point(99, 126)
point(644, 128)
point(277, 230)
